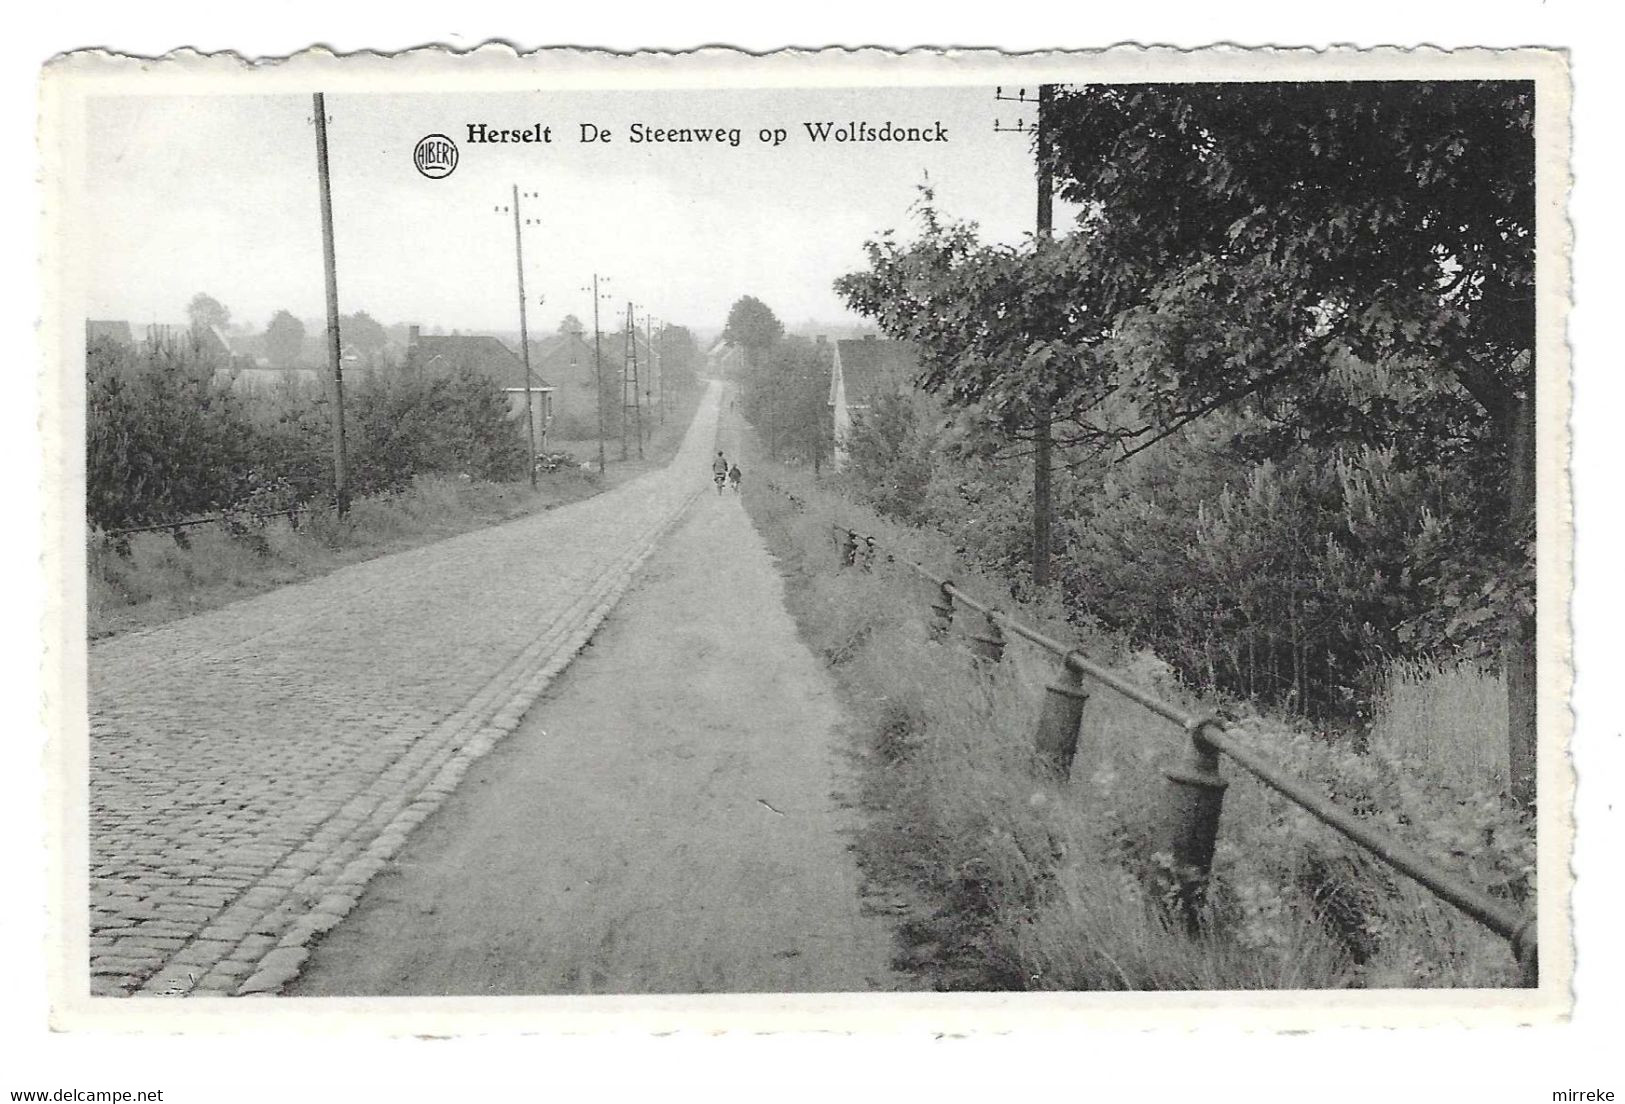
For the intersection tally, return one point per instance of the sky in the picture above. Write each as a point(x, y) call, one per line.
point(218, 194)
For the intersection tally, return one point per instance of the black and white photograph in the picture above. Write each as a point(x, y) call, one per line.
point(1073, 528)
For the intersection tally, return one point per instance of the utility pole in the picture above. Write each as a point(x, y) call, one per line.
point(341, 488)
point(1042, 440)
point(598, 367)
point(773, 420)
point(626, 374)
point(629, 385)
point(660, 373)
point(524, 336)
point(654, 361)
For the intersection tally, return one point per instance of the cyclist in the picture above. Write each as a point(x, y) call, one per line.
point(719, 471)
point(734, 476)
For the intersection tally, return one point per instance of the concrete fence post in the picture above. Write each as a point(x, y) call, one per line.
point(989, 643)
point(1059, 719)
point(1526, 949)
point(1190, 821)
point(942, 611)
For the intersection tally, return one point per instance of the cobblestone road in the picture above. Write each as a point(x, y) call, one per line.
point(251, 768)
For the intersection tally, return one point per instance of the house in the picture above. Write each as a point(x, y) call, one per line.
point(724, 360)
point(566, 361)
point(116, 332)
point(860, 370)
point(443, 354)
point(488, 356)
point(212, 342)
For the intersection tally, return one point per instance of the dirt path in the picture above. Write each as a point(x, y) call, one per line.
point(661, 821)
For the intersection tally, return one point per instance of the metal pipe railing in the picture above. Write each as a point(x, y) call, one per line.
point(1196, 790)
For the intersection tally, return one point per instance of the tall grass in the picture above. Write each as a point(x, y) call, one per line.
point(1015, 881)
point(1452, 718)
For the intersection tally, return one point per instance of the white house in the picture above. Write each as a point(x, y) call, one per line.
point(862, 369)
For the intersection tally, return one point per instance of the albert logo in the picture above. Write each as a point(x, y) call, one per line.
point(435, 156)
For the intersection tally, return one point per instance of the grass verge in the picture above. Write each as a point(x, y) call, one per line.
point(1016, 881)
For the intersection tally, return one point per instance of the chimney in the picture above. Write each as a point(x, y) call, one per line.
point(868, 337)
point(412, 333)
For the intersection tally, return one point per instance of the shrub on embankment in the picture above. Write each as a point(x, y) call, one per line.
point(159, 576)
point(169, 436)
point(1022, 883)
point(1294, 581)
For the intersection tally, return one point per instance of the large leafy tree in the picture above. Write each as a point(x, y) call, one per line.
point(679, 357)
point(753, 326)
point(284, 340)
point(205, 311)
point(1243, 232)
point(787, 399)
point(1009, 330)
point(1249, 227)
point(1236, 243)
point(363, 333)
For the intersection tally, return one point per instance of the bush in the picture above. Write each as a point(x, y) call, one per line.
point(1290, 581)
point(1017, 882)
point(167, 438)
point(163, 438)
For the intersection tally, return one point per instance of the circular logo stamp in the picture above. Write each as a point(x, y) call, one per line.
point(435, 156)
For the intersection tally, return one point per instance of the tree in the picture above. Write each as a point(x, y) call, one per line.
point(787, 398)
point(753, 326)
point(363, 334)
point(1242, 233)
point(1239, 241)
point(206, 311)
point(679, 357)
point(1008, 329)
point(284, 340)
point(571, 325)
point(165, 438)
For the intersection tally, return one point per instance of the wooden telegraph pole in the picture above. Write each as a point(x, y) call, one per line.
point(524, 336)
point(654, 362)
point(1042, 509)
point(341, 489)
point(598, 376)
point(1044, 414)
point(629, 385)
point(660, 374)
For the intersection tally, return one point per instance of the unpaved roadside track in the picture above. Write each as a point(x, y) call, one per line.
point(663, 820)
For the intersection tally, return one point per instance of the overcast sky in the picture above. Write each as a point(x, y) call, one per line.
point(219, 194)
